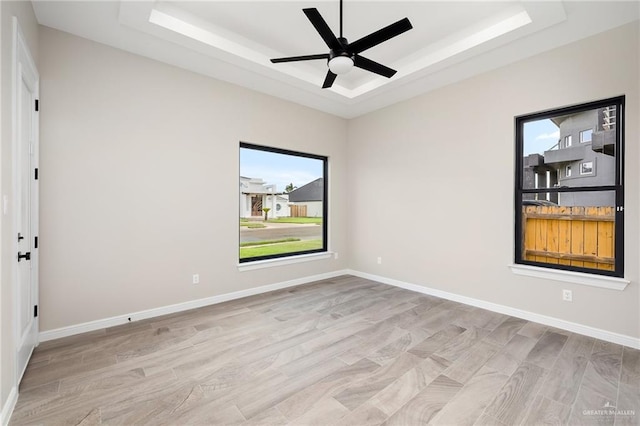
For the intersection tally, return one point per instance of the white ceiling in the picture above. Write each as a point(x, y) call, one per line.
point(233, 40)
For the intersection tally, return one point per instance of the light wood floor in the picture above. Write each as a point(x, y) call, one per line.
point(345, 351)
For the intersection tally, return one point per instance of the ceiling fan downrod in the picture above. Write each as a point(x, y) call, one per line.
point(341, 19)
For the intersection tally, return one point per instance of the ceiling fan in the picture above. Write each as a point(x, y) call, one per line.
point(343, 55)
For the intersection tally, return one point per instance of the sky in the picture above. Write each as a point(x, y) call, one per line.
point(540, 136)
point(280, 169)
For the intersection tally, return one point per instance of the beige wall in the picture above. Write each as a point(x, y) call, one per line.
point(449, 155)
point(139, 189)
point(139, 156)
point(29, 25)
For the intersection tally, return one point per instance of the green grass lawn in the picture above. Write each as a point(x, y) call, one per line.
point(263, 242)
point(279, 248)
point(316, 220)
point(252, 225)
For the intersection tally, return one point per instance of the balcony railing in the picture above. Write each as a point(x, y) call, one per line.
point(565, 155)
point(604, 141)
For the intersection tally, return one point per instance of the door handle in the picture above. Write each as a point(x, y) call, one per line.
point(26, 256)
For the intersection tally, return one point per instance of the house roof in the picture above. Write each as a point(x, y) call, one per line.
point(313, 191)
point(262, 193)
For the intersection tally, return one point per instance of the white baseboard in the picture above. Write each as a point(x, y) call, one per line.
point(9, 405)
point(608, 336)
point(179, 307)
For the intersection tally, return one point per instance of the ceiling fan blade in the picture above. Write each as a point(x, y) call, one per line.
point(373, 66)
point(380, 36)
point(329, 79)
point(301, 58)
point(323, 29)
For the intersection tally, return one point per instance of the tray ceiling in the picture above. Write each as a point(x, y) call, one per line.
point(234, 40)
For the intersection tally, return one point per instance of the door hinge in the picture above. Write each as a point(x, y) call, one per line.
point(25, 256)
point(36, 173)
point(37, 105)
point(35, 242)
point(35, 311)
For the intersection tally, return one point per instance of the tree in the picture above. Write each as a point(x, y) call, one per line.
point(266, 213)
point(290, 187)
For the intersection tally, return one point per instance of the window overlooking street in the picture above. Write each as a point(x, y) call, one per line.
point(568, 216)
point(283, 207)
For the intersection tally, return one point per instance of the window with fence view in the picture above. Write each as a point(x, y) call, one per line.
point(569, 196)
point(283, 207)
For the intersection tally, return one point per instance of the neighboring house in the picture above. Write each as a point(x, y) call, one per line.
point(255, 194)
point(308, 197)
point(583, 156)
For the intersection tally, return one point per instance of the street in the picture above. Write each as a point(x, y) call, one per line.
point(276, 231)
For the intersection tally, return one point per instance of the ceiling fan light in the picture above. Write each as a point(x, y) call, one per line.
point(340, 65)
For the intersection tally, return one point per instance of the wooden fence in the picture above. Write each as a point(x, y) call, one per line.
point(298, 211)
point(577, 236)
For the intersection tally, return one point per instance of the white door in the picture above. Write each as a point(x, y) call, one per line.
point(25, 125)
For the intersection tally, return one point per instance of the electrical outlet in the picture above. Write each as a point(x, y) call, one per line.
point(567, 295)
point(335, 255)
point(196, 278)
point(379, 261)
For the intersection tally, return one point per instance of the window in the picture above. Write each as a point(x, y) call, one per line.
point(585, 135)
point(567, 141)
point(283, 203)
point(581, 227)
point(586, 168)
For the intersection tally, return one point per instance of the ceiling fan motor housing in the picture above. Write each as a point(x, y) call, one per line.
point(341, 52)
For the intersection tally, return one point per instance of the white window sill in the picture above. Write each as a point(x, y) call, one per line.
point(592, 280)
point(270, 263)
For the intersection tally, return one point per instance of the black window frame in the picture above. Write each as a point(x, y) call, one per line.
point(617, 187)
point(325, 202)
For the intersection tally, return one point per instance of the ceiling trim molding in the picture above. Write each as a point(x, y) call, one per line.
point(170, 23)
